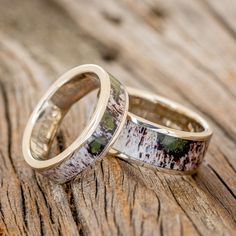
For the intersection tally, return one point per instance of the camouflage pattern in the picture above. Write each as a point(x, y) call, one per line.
point(97, 145)
point(161, 150)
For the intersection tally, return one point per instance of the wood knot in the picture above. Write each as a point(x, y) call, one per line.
point(158, 12)
point(109, 54)
point(115, 19)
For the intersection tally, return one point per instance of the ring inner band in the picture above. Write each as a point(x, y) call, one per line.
point(53, 111)
point(163, 114)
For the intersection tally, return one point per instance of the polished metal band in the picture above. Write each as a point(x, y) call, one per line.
point(101, 131)
point(162, 134)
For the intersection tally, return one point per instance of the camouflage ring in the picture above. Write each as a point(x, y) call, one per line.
point(101, 131)
point(162, 134)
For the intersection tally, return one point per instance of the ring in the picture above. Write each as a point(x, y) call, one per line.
point(99, 134)
point(162, 134)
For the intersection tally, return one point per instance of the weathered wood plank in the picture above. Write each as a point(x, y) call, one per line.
point(179, 49)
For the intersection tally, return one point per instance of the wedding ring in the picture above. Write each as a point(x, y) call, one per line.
point(99, 134)
point(162, 134)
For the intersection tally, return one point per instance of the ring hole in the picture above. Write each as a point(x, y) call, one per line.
point(163, 114)
point(62, 118)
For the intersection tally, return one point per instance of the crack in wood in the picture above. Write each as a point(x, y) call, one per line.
point(186, 213)
point(8, 123)
point(222, 181)
point(218, 18)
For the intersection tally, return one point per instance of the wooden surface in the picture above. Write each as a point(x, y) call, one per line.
point(185, 50)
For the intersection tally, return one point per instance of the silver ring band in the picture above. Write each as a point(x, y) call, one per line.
point(162, 134)
point(95, 140)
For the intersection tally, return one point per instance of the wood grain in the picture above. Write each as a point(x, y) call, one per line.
point(184, 50)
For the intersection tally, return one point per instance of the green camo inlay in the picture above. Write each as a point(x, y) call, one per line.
point(172, 145)
point(108, 122)
point(97, 145)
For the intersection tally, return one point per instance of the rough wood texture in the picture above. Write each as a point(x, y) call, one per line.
point(185, 50)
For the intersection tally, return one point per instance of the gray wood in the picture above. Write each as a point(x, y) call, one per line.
point(184, 50)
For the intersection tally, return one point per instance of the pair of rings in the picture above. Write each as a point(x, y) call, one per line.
point(135, 125)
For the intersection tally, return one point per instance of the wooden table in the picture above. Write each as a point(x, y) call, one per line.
point(184, 50)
